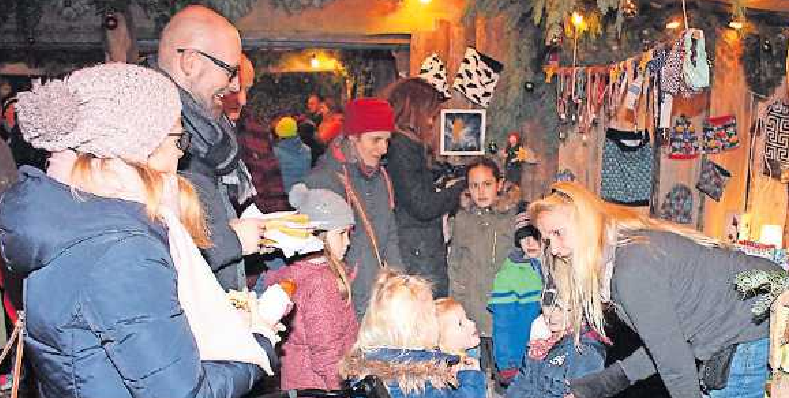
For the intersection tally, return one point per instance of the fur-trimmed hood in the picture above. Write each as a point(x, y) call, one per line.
point(411, 370)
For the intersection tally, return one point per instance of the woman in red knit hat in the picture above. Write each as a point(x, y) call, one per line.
point(352, 168)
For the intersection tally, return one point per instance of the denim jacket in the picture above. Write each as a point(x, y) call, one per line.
point(549, 378)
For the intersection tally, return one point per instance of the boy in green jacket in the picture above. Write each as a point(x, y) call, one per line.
point(515, 302)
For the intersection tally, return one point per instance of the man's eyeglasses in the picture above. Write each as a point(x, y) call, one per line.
point(183, 142)
point(232, 71)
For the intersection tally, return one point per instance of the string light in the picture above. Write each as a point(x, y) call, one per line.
point(737, 25)
point(578, 19)
point(673, 25)
point(630, 9)
point(314, 63)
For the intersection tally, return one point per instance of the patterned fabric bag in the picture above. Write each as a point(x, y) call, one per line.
point(695, 69)
point(720, 134)
point(684, 144)
point(713, 179)
point(477, 77)
point(627, 168)
point(678, 205)
point(671, 78)
point(776, 142)
point(434, 72)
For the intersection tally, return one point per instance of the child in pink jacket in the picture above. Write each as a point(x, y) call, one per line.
point(324, 325)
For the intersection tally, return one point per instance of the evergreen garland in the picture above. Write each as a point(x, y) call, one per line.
point(294, 6)
point(230, 9)
point(512, 105)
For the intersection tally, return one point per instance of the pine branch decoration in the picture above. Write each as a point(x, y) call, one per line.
point(767, 284)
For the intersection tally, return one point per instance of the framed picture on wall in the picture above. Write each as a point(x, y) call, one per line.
point(462, 132)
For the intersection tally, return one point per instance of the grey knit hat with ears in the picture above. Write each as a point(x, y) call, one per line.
point(111, 111)
point(325, 208)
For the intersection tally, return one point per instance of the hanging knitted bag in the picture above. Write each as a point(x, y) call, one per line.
point(713, 179)
point(695, 69)
point(683, 141)
point(626, 175)
point(671, 79)
point(775, 124)
point(678, 205)
point(720, 134)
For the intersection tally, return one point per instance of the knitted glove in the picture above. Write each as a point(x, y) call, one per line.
point(605, 383)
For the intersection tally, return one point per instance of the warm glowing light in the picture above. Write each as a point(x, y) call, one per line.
point(672, 25)
point(425, 1)
point(578, 19)
point(771, 235)
point(736, 25)
point(314, 63)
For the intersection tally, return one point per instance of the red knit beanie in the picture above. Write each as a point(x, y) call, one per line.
point(366, 115)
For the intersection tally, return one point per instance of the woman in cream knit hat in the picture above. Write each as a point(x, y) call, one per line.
point(105, 235)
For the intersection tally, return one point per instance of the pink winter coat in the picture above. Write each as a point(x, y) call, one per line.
point(322, 330)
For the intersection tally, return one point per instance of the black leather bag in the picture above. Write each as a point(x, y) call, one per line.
point(714, 372)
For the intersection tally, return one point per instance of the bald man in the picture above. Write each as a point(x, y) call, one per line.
point(200, 50)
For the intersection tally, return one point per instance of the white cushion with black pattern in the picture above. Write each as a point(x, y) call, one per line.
point(477, 77)
point(434, 72)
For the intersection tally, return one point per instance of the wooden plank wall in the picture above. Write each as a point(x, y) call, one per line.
point(728, 95)
point(768, 198)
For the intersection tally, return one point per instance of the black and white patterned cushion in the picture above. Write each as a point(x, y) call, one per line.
point(434, 72)
point(477, 77)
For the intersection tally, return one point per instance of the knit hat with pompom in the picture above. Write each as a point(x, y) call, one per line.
point(111, 111)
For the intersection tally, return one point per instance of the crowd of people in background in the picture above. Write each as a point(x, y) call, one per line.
point(146, 169)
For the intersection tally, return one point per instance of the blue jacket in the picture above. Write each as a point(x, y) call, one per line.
point(294, 159)
point(420, 368)
point(103, 317)
point(548, 378)
point(515, 303)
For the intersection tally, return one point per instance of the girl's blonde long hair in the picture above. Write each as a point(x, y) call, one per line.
point(191, 212)
point(337, 267)
point(598, 226)
point(401, 314)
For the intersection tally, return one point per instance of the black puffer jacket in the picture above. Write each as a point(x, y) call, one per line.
point(419, 208)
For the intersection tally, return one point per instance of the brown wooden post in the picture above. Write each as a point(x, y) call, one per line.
point(121, 42)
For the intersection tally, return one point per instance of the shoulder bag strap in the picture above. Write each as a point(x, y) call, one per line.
point(354, 201)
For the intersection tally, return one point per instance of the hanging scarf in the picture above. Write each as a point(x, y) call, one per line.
point(219, 329)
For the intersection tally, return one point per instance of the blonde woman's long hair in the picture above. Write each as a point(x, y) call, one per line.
point(401, 314)
point(337, 267)
point(598, 226)
point(190, 210)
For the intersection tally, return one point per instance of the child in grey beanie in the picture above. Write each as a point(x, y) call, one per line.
point(324, 326)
